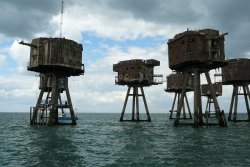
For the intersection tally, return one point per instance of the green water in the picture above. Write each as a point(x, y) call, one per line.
point(100, 140)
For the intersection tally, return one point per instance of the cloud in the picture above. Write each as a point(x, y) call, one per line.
point(20, 54)
point(18, 93)
point(128, 19)
point(101, 25)
point(96, 90)
point(26, 18)
point(159, 12)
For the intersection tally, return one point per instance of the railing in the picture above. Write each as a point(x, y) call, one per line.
point(158, 79)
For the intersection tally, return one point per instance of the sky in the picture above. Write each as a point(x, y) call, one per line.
point(111, 31)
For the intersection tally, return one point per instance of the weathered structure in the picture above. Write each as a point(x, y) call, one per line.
point(197, 52)
point(196, 48)
point(236, 73)
point(174, 85)
point(55, 59)
point(136, 74)
point(48, 87)
point(55, 55)
point(205, 91)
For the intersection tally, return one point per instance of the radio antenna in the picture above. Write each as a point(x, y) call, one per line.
point(61, 21)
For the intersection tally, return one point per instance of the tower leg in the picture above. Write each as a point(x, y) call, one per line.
point(180, 104)
point(236, 104)
point(219, 114)
point(39, 100)
point(209, 106)
point(125, 104)
point(232, 104)
point(60, 102)
point(248, 92)
point(189, 111)
point(246, 100)
point(145, 104)
point(184, 112)
point(137, 104)
point(172, 109)
point(54, 101)
point(72, 113)
point(133, 105)
point(206, 110)
point(197, 100)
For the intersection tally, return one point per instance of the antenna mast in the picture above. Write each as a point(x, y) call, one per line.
point(61, 21)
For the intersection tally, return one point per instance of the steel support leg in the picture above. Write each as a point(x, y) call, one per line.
point(54, 101)
point(173, 105)
point(137, 104)
point(125, 104)
point(180, 104)
point(133, 105)
point(219, 114)
point(39, 101)
point(232, 104)
point(72, 113)
point(206, 111)
point(189, 111)
point(246, 100)
point(184, 112)
point(60, 102)
point(196, 98)
point(145, 104)
point(236, 104)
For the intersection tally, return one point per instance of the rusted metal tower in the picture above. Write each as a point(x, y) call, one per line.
point(197, 52)
point(206, 93)
point(236, 73)
point(136, 74)
point(55, 59)
point(174, 85)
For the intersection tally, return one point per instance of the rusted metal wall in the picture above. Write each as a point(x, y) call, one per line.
point(49, 83)
point(135, 71)
point(237, 71)
point(192, 47)
point(175, 83)
point(205, 91)
point(55, 53)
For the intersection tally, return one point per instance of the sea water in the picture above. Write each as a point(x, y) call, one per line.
point(101, 140)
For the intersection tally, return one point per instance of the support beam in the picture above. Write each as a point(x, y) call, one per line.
point(234, 102)
point(145, 103)
point(125, 104)
point(72, 113)
point(53, 119)
point(173, 105)
point(198, 114)
point(246, 100)
point(185, 104)
point(180, 104)
point(189, 111)
point(219, 114)
point(196, 98)
point(135, 104)
point(39, 101)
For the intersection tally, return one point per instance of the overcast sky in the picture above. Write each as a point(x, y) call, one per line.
point(110, 31)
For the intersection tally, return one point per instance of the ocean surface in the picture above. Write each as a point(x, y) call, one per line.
point(101, 140)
